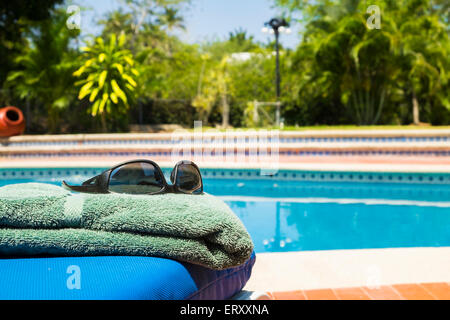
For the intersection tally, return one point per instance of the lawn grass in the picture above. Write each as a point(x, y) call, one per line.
point(338, 127)
point(353, 127)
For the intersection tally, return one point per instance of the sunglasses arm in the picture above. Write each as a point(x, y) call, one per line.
point(83, 189)
point(98, 184)
point(91, 181)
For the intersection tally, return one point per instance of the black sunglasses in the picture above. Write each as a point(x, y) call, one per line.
point(143, 177)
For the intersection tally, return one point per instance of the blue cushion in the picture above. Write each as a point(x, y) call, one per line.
point(117, 278)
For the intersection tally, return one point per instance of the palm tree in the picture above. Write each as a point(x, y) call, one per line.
point(421, 46)
point(213, 87)
point(406, 60)
point(171, 19)
point(349, 59)
point(44, 69)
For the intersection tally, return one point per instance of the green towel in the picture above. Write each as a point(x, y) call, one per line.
point(43, 219)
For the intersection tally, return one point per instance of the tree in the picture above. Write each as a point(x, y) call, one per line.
point(43, 69)
point(16, 18)
point(153, 16)
point(164, 61)
point(216, 86)
point(371, 73)
point(108, 78)
point(171, 19)
point(237, 70)
point(421, 45)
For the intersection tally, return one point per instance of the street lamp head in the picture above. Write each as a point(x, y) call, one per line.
point(277, 24)
point(265, 30)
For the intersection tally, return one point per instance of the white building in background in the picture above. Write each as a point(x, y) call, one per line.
point(245, 56)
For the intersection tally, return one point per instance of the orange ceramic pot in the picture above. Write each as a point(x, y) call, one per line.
point(12, 122)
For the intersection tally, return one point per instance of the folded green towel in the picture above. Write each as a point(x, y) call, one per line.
point(43, 219)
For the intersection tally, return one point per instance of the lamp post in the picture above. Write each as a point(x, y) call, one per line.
point(277, 26)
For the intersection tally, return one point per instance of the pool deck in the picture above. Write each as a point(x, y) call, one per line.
point(419, 291)
point(403, 273)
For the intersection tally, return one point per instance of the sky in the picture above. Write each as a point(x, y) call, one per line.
point(205, 19)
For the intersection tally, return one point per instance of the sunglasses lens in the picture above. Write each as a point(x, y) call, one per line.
point(188, 178)
point(136, 178)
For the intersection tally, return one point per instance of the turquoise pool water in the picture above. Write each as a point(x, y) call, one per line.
point(322, 215)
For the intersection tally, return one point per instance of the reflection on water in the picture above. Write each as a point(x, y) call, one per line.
point(284, 226)
point(291, 189)
point(293, 216)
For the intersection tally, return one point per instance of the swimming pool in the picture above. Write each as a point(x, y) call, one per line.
point(303, 211)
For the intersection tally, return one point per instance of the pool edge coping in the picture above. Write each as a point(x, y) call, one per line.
point(319, 167)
